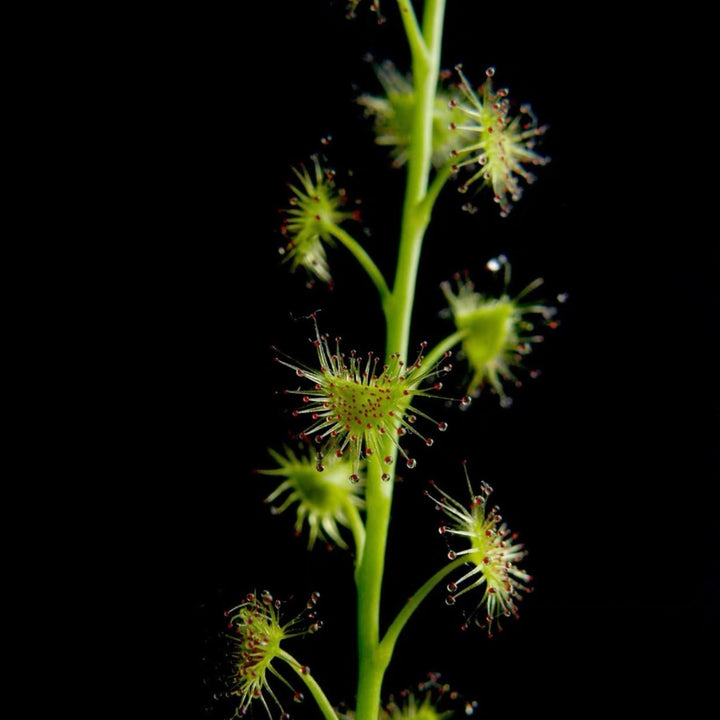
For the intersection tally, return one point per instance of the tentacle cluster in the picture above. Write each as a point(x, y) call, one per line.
point(255, 635)
point(323, 500)
point(492, 555)
point(316, 204)
point(504, 144)
point(498, 332)
point(355, 403)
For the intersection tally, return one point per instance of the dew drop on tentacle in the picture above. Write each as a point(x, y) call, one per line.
point(493, 265)
point(315, 627)
point(411, 463)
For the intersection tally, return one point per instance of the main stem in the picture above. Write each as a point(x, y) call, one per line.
point(398, 309)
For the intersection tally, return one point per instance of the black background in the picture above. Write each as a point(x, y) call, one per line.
point(603, 464)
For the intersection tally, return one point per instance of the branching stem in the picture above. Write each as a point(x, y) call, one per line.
point(393, 632)
point(361, 256)
point(312, 685)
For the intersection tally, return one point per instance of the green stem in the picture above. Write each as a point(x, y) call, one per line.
point(372, 663)
point(374, 657)
point(412, 29)
point(441, 177)
point(358, 530)
point(393, 632)
point(416, 211)
point(316, 691)
point(361, 256)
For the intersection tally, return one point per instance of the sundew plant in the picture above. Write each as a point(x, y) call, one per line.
point(360, 419)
